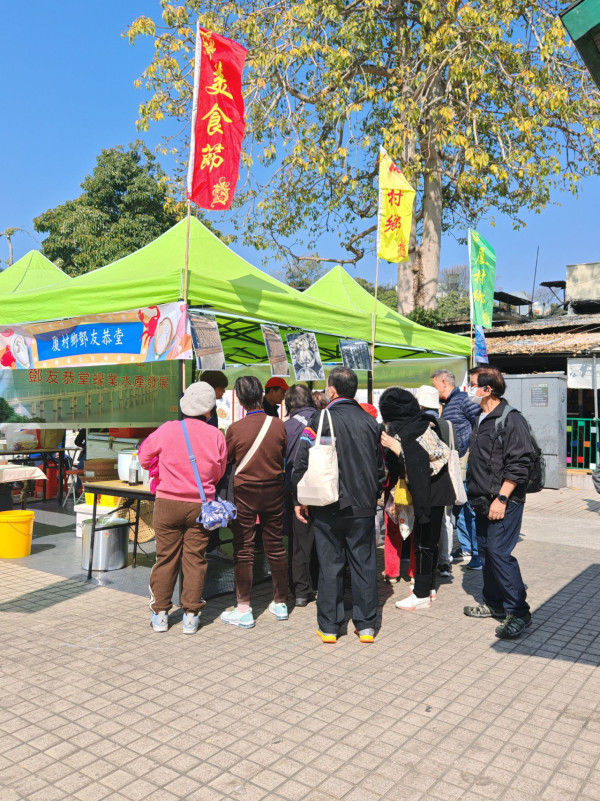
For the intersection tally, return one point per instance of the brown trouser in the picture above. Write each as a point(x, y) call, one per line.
point(179, 540)
point(266, 501)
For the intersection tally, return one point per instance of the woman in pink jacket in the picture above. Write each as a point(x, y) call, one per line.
point(179, 538)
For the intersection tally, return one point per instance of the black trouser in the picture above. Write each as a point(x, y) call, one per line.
point(339, 539)
point(427, 540)
point(503, 586)
point(304, 566)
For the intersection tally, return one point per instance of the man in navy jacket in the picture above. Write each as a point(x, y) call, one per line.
point(462, 413)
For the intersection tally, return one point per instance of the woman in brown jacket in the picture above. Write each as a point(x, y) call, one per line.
point(256, 446)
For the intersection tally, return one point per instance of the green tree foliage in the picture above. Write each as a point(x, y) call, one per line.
point(386, 294)
point(453, 293)
point(484, 105)
point(427, 317)
point(125, 205)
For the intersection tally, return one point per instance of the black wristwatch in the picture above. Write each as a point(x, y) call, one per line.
point(502, 498)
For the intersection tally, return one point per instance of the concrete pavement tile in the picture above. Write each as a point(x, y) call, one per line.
point(161, 775)
point(183, 786)
point(7, 794)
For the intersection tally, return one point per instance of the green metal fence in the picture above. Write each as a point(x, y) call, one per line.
point(582, 443)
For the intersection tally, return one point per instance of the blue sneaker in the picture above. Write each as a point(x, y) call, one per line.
point(475, 564)
point(190, 622)
point(160, 621)
point(279, 610)
point(244, 620)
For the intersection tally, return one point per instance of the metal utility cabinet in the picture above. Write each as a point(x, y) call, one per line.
point(542, 399)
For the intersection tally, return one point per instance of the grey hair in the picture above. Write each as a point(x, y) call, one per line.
point(446, 375)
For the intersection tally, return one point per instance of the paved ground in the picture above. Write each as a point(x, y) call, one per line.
point(95, 706)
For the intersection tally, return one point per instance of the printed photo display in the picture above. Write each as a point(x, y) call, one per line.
point(306, 359)
point(207, 342)
point(355, 354)
point(276, 351)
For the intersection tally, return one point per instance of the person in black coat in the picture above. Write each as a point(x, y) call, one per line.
point(407, 458)
point(301, 537)
point(345, 530)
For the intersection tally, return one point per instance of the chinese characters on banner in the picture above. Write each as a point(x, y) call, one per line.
point(217, 121)
point(151, 334)
point(482, 263)
point(396, 198)
point(116, 395)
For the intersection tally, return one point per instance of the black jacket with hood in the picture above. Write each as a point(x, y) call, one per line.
point(493, 459)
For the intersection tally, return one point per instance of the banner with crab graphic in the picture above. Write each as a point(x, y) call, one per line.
point(150, 334)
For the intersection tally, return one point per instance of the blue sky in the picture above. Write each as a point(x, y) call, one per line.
point(66, 92)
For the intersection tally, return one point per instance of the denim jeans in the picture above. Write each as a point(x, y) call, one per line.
point(465, 528)
point(503, 586)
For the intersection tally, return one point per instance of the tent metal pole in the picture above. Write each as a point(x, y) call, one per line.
point(187, 251)
point(374, 326)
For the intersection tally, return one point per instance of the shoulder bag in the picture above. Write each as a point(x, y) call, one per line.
point(255, 445)
point(320, 485)
point(214, 514)
point(455, 471)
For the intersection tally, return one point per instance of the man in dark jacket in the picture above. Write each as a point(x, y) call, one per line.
point(497, 478)
point(345, 529)
point(459, 410)
point(302, 559)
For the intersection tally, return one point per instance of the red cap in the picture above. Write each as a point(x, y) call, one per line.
point(276, 381)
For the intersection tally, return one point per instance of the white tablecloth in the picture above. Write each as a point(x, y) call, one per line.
point(15, 472)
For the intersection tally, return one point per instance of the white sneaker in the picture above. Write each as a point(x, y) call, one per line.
point(413, 603)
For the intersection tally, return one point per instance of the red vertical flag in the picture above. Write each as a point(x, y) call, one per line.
point(217, 121)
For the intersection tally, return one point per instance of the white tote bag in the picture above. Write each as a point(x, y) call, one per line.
point(319, 486)
point(455, 471)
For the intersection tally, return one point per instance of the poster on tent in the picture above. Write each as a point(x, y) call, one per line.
point(355, 354)
point(306, 359)
point(149, 334)
point(275, 351)
point(207, 342)
point(104, 395)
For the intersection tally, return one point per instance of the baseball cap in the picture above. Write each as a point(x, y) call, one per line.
point(278, 382)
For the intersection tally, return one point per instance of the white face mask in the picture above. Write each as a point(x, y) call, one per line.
point(473, 396)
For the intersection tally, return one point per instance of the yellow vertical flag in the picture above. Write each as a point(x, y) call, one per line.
point(396, 198)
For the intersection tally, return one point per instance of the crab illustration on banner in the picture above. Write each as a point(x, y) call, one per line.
point(217, 121)
point(396, 198)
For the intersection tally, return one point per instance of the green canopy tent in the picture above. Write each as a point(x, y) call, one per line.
point(29, 273)
point(240, 295)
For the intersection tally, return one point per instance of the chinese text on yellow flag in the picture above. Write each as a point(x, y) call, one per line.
point(482, 261)
point(396, 198)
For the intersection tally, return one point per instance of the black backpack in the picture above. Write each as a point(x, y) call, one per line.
point(537, 471)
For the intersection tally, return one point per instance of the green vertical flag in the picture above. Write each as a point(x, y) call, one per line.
point(482, 263)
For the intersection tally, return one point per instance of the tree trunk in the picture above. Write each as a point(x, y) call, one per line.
point(409, 271)
point(431, 244)
point(10, 249)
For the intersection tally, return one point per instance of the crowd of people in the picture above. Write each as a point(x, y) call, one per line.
point(439, 463)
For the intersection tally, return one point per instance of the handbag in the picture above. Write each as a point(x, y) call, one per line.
point(213, 514)
point(437, 450)
point(320, 485)
point(455, 472)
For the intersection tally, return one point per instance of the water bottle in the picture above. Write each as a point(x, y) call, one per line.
point(134, 470)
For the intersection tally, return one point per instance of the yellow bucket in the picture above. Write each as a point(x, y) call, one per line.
point(16, 531)
point(89, 498)
point(111, 501)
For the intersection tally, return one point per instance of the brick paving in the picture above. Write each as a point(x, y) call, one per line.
point(95, 706)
